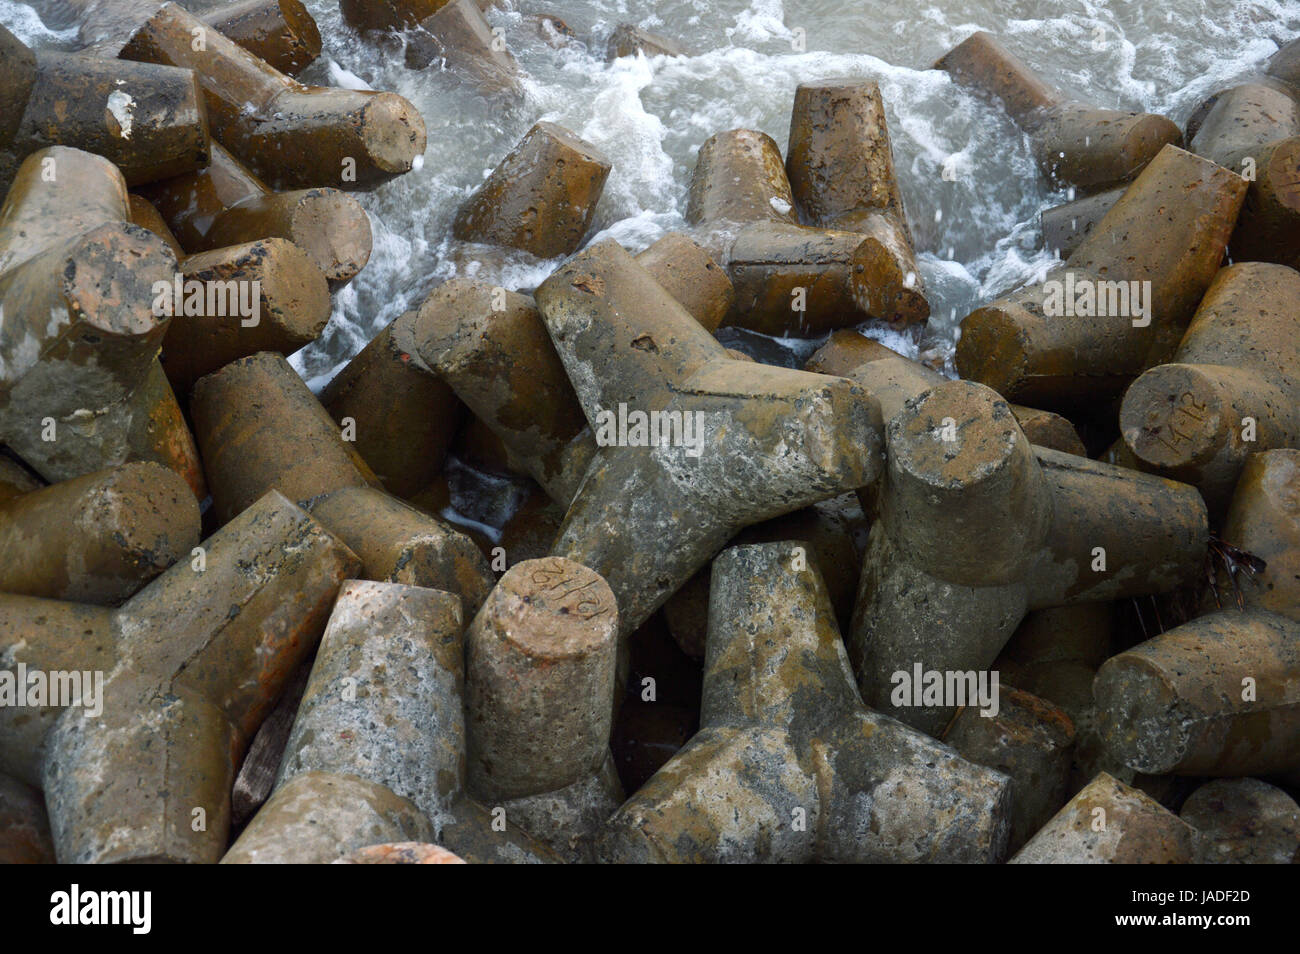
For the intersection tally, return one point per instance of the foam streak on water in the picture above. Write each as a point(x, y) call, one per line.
point(975, 236)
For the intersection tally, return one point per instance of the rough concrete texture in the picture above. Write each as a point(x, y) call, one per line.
point(1266, 229)
point(828, 532)
point(788, 764)
point(739, 178)
point(294, 136)
point(189, 667)
point(794, 281)
point(399, 544)
point(841, 170)
point(458, 38)
point(1074, 144)
point(148, 120)
point(491, 346)
point(891, 379)
point(384, 699)
point(1030, 741)
point(1243, 120)
point(1110, 823)
point(540, 198)
point(1218, 696)
point(540, 671)
point(16, 479)
point(768, 440)
point(379, 15)
point(977, 527)
point(1170, 228)
point(292, 308)
point(146, 215)
point(224, 204)
point(1231, 389)
point(404, 415)
point(316, 818)
point(690, 275)
point(540, 661)
point(260, 427)
point(1244, 821)
point(377, 749)
point(97, 538)
point(81, 389)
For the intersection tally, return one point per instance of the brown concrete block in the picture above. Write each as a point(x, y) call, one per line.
point(628, 346)
point(788, 765)
point(405, 417)
point(97, 538)
point(1231, 389)
point(266, 295)
point(841, 170)
point(294, 136)
point(81, 389)
point(540, 198)
point(193, 662)
point(281, 32)
point(1074, 143)
point(148, 120)
point(1110, 823)
point(1046, 346)
point(224, 205)
point(261, 428)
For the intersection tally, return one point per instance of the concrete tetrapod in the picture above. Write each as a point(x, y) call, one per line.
point(404, 416)
point(97, 538)
point(788, 765)
point(1220, 695)
point(266, 295)
point(1121, 302)
point(841, 170)
point(81, 388)
point(540, 198)
point(540, 660)
point(492, 347)
point(224, 204)
point(261, 428)
point(1074, 143)
point(148, 120)
point(458, 37)
point(290, 134)
point(751, 441)
point(185, 670)
point(1231, 389)
point(1110, 823)
point(377, 750)
point(977, 527)
point(1254, 130)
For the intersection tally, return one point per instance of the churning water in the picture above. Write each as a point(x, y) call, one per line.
point(976, 235)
